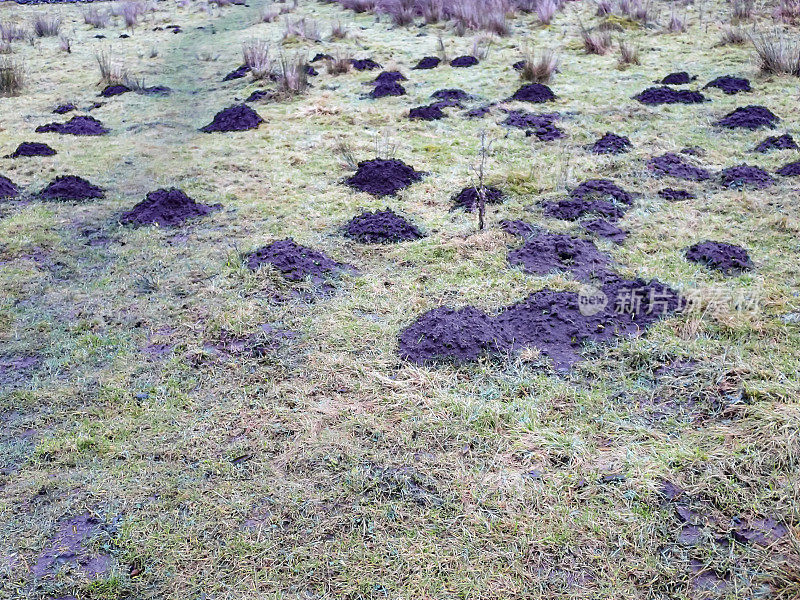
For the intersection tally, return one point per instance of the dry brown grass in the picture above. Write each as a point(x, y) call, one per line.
point(539, 68)
point(12, 77)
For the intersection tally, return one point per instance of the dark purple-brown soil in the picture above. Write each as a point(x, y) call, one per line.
point(8, 189)
point(257, 96)
point(116, 89)
point(673, 165)
point(464, 61)
point(77, 125)
point(364, 64)
point(321, 56)
point(432, 112)
point(749, 117)
point(237, 73)
point(791, 169)
point(673, 195)
point(428, 62)
point(604, 229)
point(480, 112)
point(742, 176)
point(71, 546)
point(666, 95)
point(447, 334)
point(166, 208)
point(600, 197)
point(388, 77)
point(548, 252)
point(382, 90)
point(32, 149)
point(381, 227)
point(611, 143)
point(518, 228)
point(679, 78)
point(773, 142)
point(450, 94)
point(383, 177)
point(62, 109)
point(534, 92)
point(239, 117)
point(541, 125)
point(468, 198)
point(730, 85)
point(295, 262)
point(727, 258)
point(601, 188)
point(71, 187)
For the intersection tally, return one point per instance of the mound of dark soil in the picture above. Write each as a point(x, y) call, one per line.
point(8, 189)
point(518, 228)
point(155, 90)
point(541, 125)
point(480, 112)
point(389, 77)
point(383, 177)
point(321, 56)
point(727, 258)
point(534, 92)
point(673, 195)
point(600, 197)
point(679, 78)
point(257, 96)
point(166, 208)
point(429, 62)
point(601, 188)
point(673, 165)
point(468, 198)
point(730, 85)
point(237, 73)
point(745, 176)
point(71, 187)
point(666, 95)
point(611, 143)
point(364, 64)
point(464, 61)
point(432, 112)
point(77, 125)
point(239, 117)
point(547, 252)
point(450, 94)
point(64, 108)
point(295, 262)
point(387, 89)
point(381, 227)
point(749, 117)
point(604, 229)
point(32, 149)
point(781, 142)
point(791, 169)
point(116, 89)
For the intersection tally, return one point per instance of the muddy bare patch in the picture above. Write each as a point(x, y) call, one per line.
point(67, 549)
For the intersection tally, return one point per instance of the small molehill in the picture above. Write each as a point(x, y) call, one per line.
point(791, 169)
point(604, 229)
point(518, 228)
point(239, 117)
point(115, 89)
point(749, 117)
point(730, 85)
point(673, 195)
point(71, 188)
point(468, 198)
point(31, 149)
point(601, 197)
point(431, 112)
point(464, 61)
point(382, 90)
point(364, 64)
point(451, 94)
point(534, 92)
point(679, 78)
point(611, 143)
point(8, 189)
point(672, 165)
point(381, 227)
point(541, 125)
point(728, 258)
point(62, 109)
point(166, 208)
point(773, 142)
point(428, 62)
point(383, 177)
point(257, 96)
point(545, 253)
point(742, 176)
point(666, 95)
point(237, 73)
point(77, 125)
point(388, 77)
point(295, 262)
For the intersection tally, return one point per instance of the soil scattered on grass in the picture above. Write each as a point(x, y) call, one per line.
point(541, 125)
point(71, 187)
point(364, 64)
point(673, 165)
point(321, 56)
point(31, 149)
point(518, 228)
point(432, 112)
point(730, 85)
point(728, 258)
point(239, 117)
point(257, 96)
point(166, 208)
point(295, 262)
point(781, 142)
point(381, 227)
point(468, 198)
point(387, 89)
point(611, 143)
point(534, 92)
point(62, 109)
point(464, 61)
point(679, 78)
point(8, 189)
point(237, 73)
point(428, 62)
point(742, 176)
point(452, 94)
point(67, 548)
point(791, 169)
point(763, 532)
point(604, 229)
point(545, 253)
point(666, 95)
point(115, 89)
point(77, 125)
point(480, 112)
point(383, 177)
point(602, 197)
point(673, 195)
point(749, 117)
point(388, 77)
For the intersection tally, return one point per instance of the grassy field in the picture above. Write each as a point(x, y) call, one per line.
point(322, 465)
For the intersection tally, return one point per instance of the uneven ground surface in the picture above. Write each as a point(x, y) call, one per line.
point(176, 425)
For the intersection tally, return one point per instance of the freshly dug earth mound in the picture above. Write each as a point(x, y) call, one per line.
point(730, 85)
point(464, 61)
point(364, 64)
point(468, 198)
point(71, 187)
point(383, 177)
point(32, 149)
point(541, 125)
point(601, 188)
point(781, 142)
point(547, 252)
point(673, 195)
point(604, 229)
point(431, 112)
point(77, 125)
point(166, 208)
point(791, 169)
point(450, 94)
point(673, 165)
point(601, 197)
point(114, 90)
point(295, 262)
point(389, 77)
point(611, 143)
point(429, 62)
point(480, 112)
point(381, 227)
point(321, 56)
point(518, 228)
point(237, 73)
point(666, 95)
point(257, 96)
point(745, 176)
point(239, 117)
point(534, 92)
point(749, 117)
point(387, 89)
point(679, 78)
point(727, 258)
point(8, 189)
point(64, 108)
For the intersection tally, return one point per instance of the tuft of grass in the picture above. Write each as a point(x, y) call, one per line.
point(12, 77)
point(65, 44)
point(338, 30)
point(777, 53)
point(340, 63)
point(546, 10)
point(110, 71)
point(131, 11)
point(97, 19)
point(303, 29)
point(732, 36)
point(11, 32)
point(46, 25)
point(628, 54)
point(676, 24)
point(539, 69)
point(255, 54)
point(595, 42)
point(269, 13)
point(293, 77)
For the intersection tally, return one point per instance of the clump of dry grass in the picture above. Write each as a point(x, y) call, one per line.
point(401, 12)
point(595, 42)
point(604, 8)
point(539, 69)
point(255, 54)
point(546, 10)
point(778, 53)
point(11, 32)
point(787, 11)
point(269, 13)
point(741, 10)
point(65, 43)
point(110, 71)
point(12, 77)
point(98, 19)
point(628, 54)
point(732, 36)
point(359, 6)
point(304, 29)
point(481, 46)
point(338, 30)
point(341, 63)
point(676, 24)
point(130, 12)
point(293, 77)
point(484, 15)
point(46, 25)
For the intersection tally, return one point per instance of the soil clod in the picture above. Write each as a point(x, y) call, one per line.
point(71, 188)
point(32, 149)
point(166, 208)
point(730, 85)
point(381, 227)
point(679, 78)
point(295, 262)
point(780, 142)
point(77, 125)
point(239, 117)
point(115, 89)
point(383, 177)
point(534, 92)
point(548, 252)
point(674, 195)
point(604, 229)
point(666, 95)
point(464, 61)
point(8, 189)
point(745, 176)
point(467, 198)
point(428, 62)
point(749, 117)
point(672, 165)
point(611, 143)
point(728, 258)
